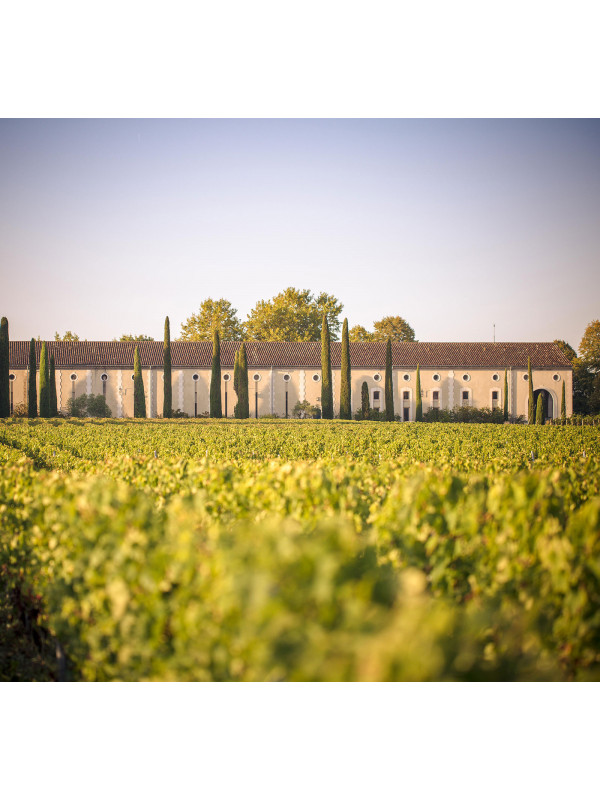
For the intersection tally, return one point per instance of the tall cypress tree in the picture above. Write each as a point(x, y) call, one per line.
point(4, 369)
point(327, 389)
point(345, 387)
point(32, 399)
point(539, 411)
point(389, 385)
point(530, 405)
point(563, 404)
point(505, 394)
point(236, 383)
point(365, 405)
point(243, 396)
point(215, 379)
point(44, 383)
point(167, 384)
point(139, 399)
point(53, 398)
point(419, 408)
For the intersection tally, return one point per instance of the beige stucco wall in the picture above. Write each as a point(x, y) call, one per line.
point(271, 388)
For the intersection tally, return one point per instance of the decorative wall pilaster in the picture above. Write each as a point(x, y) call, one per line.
point(302, 387)
point(120, 393)
point(180, 406)
point(88, 382)
point(451, 389)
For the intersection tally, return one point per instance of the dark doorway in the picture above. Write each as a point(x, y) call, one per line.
point(546, 401)
point(406, 414)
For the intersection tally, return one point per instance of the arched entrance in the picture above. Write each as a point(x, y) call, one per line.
point(547, 402)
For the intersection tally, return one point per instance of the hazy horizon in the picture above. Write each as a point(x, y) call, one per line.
point(108, 226)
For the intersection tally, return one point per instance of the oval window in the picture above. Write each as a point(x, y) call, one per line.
point(227, 377)
point(466, 377)
point(377, 377)
point(287, 377)
point(495, 377)
point(556, 377)
point(526, 377)
point(316, 378)
point(12, 376)
point(133, 377)
point(104, 377)
point(73, 376)
point(256, 377)
point(436, 377)
point(195, 376)
point(406, 376)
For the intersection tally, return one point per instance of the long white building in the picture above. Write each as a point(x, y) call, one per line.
point(281, 373)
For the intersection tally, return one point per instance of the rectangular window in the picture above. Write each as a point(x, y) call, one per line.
point(435, 399)
point(375, 395)
point(406, 395)
point(465, 398)
point(495, 398)
point(436, 395)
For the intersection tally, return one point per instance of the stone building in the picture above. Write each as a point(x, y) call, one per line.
point(281, 373)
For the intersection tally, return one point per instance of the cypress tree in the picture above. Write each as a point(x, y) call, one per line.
point(243, 397)
point(215, 379)
point(139, 399)
point(505, 395)
point(365, 405)
point(563, 404)
point(530, 405)
point(44, 383)
point(419, 409)
point(326, 390)
point(4, 369)
point(236, 383)
point(389, 386)
point(53, 398)
point(345, 388)
point(32, 400)
point(167, 384)
point(539, 411)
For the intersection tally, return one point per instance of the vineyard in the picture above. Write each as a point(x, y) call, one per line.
point(305, 550)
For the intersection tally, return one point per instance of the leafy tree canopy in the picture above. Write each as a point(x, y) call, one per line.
point(394, 328)
point(294, 315)
point(135, 337)
point(360, 334)
point(68, 337)
point(213, 315)
point(589, 347)
point(566, 348)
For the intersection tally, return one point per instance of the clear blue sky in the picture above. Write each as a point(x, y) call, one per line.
point(106, 226)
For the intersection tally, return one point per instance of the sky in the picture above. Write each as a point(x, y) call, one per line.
point(107, 226)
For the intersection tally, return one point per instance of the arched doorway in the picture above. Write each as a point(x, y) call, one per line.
point(547, 402)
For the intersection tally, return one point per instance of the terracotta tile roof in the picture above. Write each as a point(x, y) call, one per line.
point(299, 354)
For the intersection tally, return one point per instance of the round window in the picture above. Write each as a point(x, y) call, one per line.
point(73, 376)
point(377, 377)
point(526, 377)
point(195, 376)
point(227, 377)
point(436, 377)
point(495, 377)
point(133, 377)
point(316, 378)
point(12, 376)
point(556, 377)
point(406, 376)
point(256, 377)
point(287, 377)
point(104, 377)
point(466, 377)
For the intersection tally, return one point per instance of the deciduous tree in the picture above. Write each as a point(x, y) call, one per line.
point(589, 347)
point(346, 385)
point(68, 337)
point(214, 315)
point(395, 328)
point(294, 315)
point(135, 337)
point(360, 334)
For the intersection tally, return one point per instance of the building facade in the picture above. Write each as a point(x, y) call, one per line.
point(282, 373)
